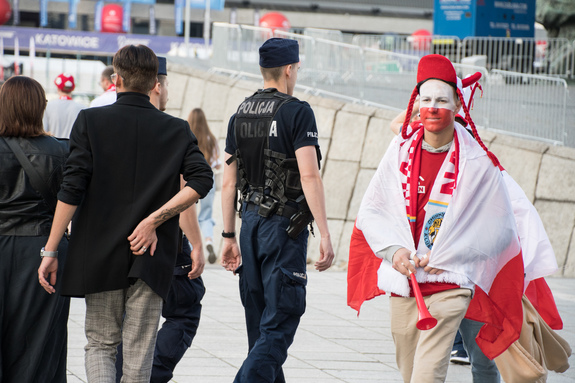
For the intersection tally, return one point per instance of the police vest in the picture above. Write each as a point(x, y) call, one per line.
point(262, 171)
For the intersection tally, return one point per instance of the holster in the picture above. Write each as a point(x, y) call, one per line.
point(301, 219)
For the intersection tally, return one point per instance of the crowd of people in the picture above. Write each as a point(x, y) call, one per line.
point(106, 195)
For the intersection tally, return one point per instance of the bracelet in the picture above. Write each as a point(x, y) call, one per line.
point(231, 234)
point(49, 254)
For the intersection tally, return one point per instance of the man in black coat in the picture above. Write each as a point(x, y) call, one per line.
point(122, 182)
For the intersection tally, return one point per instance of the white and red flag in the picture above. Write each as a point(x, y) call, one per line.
point(476, 243)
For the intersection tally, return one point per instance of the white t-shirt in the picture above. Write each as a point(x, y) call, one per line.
point(106, 98)
point(59, 117)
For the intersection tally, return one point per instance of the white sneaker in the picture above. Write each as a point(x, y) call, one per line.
point(460, 357)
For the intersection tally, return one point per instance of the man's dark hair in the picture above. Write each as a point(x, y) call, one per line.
point(138, 67)
point(108, 72)
point(22, 102)
point(162, 79)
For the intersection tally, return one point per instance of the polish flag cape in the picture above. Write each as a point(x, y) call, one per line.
point(538, 255)
point(477, 242)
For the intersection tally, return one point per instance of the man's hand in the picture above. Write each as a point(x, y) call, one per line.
point(423, 261)
point(231, 257)
point(48, 268)
point(198, 262)
point(144, 237)
point(400, 262)
point(326, 254)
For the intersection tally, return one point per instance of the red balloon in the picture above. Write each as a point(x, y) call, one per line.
point(5, 11)
point(112, 16)
point(275, 20)
point(421, 39)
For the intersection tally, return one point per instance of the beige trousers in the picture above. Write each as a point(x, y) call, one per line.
point(423, 356)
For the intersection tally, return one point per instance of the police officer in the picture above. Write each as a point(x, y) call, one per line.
point(272, 153)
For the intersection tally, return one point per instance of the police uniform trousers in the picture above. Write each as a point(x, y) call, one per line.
point(181, 311)
point(272, 290)
point(34, 335)
point(423, 356)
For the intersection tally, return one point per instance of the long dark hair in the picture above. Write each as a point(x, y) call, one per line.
point(206, 139)
point(22, 105)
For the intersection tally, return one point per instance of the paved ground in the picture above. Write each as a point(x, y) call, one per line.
point(332, 343)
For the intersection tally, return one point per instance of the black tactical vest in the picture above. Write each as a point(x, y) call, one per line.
point(261, 170)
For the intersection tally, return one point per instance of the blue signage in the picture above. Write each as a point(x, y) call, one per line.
point(127, 18)
point(179, 5)
point(72, 12)
point(67, 41)
point(98, 15)
point(484, 18)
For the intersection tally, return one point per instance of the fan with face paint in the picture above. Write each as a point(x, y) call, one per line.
point(437, 81)
point(437, 105)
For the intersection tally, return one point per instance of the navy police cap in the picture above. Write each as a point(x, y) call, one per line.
point(162, 68)
point(277, 52)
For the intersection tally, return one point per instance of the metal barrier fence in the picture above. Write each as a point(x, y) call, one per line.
point(419, 46)
point(530, 106)
point(522, 104)
point(552, 56)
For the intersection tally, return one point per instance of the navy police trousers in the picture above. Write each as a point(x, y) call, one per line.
point(272, 289)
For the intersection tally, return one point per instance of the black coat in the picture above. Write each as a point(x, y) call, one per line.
point(125, 162)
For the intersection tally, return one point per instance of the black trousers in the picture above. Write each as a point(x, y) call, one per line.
point(34, 335)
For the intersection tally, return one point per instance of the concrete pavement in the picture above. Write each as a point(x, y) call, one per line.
point(332, 343)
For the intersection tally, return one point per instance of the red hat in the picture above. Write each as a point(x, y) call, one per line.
point(436, 67)
point(65, 82)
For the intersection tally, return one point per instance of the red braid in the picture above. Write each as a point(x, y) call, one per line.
point(408, 115)
point(474, 130)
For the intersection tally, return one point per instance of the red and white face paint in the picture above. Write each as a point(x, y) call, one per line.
point(437, 105)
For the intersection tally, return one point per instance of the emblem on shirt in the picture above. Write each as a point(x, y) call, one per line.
point(431, 229)
point(420, 187)
point(312, 134)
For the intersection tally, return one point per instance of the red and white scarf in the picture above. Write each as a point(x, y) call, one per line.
point(440, 195)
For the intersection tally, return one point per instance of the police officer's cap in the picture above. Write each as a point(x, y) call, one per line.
point(277, 52)
point(162, 67)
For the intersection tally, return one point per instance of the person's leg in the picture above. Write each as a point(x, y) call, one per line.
point(251, 289)
point(33, 323)
point(207, 223)
point(483, 369)
point(140, 326)
point(205, 214)
point(283, 277)
point(458, 343)
point(458, 352)
point(403, 314)
point(104, 312)
point(431, 357)
point(182, 310)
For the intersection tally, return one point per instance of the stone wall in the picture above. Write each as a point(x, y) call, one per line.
point(353, 141)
